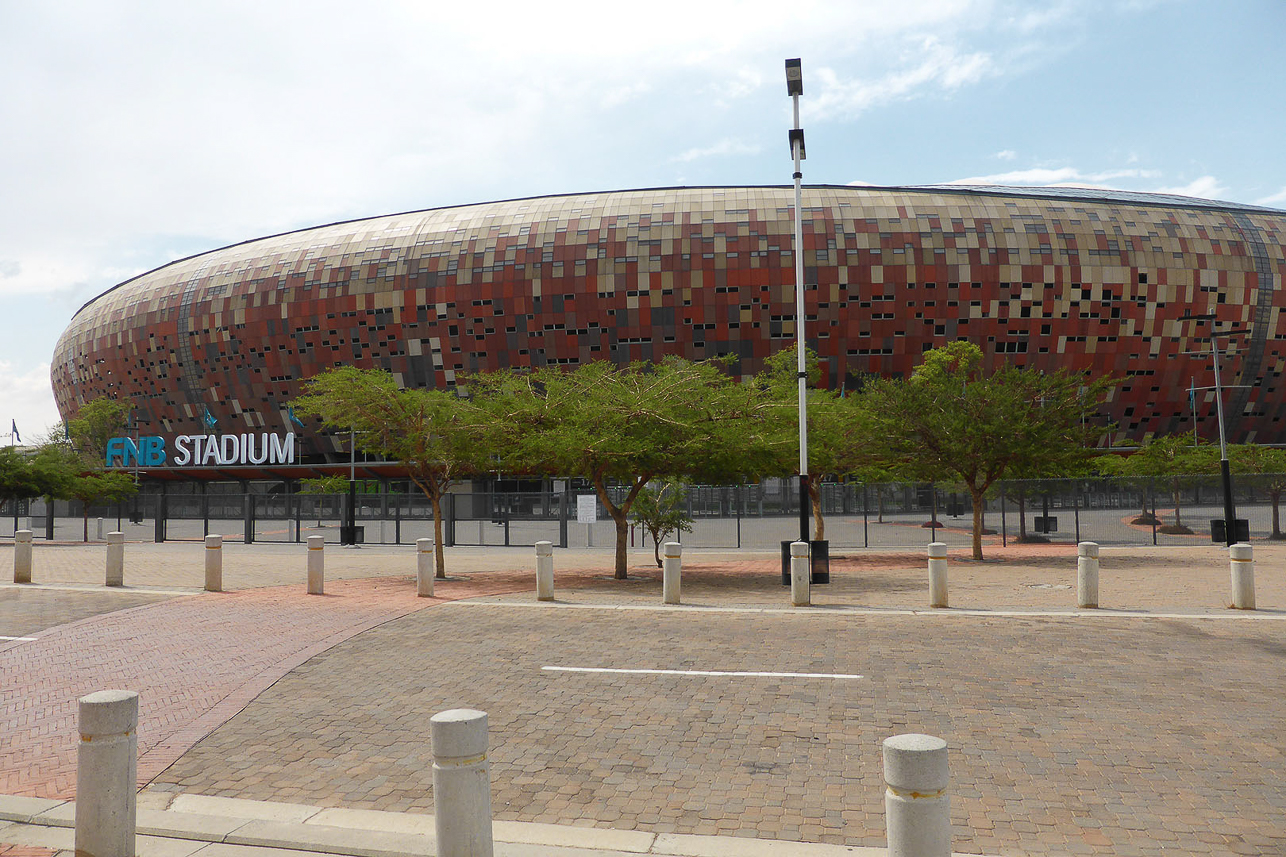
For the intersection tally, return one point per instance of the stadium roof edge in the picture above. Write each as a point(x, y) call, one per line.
point(1071, 194)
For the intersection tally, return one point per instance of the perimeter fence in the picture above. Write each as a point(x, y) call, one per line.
point(1185, 510)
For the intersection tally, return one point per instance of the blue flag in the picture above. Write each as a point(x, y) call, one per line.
point(17, 438)
point(290, 412)
point(209, 420)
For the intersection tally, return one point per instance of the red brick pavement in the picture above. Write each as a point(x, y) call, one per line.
point(196, 661)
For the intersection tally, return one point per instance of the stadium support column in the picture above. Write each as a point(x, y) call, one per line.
point(795, 88)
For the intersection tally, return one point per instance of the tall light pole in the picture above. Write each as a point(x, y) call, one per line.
point(1225, 471)
point(795, 88)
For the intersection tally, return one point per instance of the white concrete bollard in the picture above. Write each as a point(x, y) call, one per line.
point(99, 533)
point(107, 774)
point(938, 574)
point(214, 563)
point(1241, 558)
point(316, 565)
point(115, 559)
point(671, 572)
point(1087, 574)
point(917, 807)
point(800, 575)
point(22, 556)
point(461, 783)
point(424, 568)
point(544, 571)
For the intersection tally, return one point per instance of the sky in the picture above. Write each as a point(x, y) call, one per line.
point(136, 133)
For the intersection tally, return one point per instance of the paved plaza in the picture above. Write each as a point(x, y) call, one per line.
point(1154, 725)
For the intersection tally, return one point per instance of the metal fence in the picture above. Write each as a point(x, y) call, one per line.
point(1170, 511)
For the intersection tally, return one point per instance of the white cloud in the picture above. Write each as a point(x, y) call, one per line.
point(1006, 155)
point(28, 400)
point(1057, 177)
point(1273, 199)
point(1205, 187)
point(721, 148)
point(929, 65)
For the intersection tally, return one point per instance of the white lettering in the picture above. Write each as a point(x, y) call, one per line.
point(211, 450)
point(228, 449)
point(181, 452)
point(283, 452)
point(262, 455)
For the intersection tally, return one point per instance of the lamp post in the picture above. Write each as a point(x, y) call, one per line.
point(795, 88)
point(1225, 471)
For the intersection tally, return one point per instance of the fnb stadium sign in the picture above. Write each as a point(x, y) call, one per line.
point(201, 450)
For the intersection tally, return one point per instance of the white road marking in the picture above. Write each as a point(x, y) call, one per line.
point(731, 673)
point(19, 639)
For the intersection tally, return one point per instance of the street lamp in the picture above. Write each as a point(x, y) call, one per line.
point(1229, 511)
point(795, 88)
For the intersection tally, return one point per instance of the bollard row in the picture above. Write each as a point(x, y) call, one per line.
point(917, 806)
point(107, 774)
point(424, 568)
point(22, 556)
point(938, 574)
point(1241, 561)
point(544, 571)
point(461, 783)
point(116, 559)
point(214, 563)
point(316, 565)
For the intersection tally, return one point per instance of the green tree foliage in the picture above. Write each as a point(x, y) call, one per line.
point(26, 474)
point(334, 484)
point(97, 422)
point(662, 510)
point(1267, 465)
point(951, 421)
point(625, 426)
point(1174, 462)
point(436, 434)
point(832, 450)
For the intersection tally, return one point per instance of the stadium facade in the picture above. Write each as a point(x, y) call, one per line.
point(1046, 278)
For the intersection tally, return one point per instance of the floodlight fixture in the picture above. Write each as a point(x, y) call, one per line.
point(794, 77)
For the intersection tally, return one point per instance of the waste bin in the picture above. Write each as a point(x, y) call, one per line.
point(1046, 524)
point(1218, 532)
point(352, 535)
point(819, 554)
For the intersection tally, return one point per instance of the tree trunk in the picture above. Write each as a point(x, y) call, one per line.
point(622, 542)
point(439, 557)
point(976, 494)
point(879, 502)
point(656, 549)
point(1276, 498)
point(819, 522)
point(85, 515)
point(1178, 520)
point(1022, 516)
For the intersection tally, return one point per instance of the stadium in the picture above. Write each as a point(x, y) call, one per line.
point(1046, 278)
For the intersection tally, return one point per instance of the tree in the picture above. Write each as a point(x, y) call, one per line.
point(96, 422)
point(625, 425)
point(43, 473)
point(661, 511)
point(830, 446)
point(437, 435)
point(1269, 464)
point(1175, 461)
point(951, 421)
point(334, 484)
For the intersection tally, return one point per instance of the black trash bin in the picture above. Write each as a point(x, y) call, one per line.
point(1218, 532)
point(352, 535)
point(819, 555)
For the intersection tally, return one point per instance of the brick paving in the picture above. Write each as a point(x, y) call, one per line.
point(1117, 737)
point(1112, 736)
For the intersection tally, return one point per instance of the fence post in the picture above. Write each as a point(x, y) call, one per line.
point(107, 773)
point(461, 783)
point(316, 565)
point(115, 559)
point(1086, 574)
point(671, 572)
point(544, 571)
point(1241, 558)
point(800, 575)
point(214, 563)
point(423, 568)
point(937, 574)
point(22, 556)
point(917, 807)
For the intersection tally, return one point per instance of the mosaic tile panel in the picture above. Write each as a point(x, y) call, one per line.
point(1045, 280)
